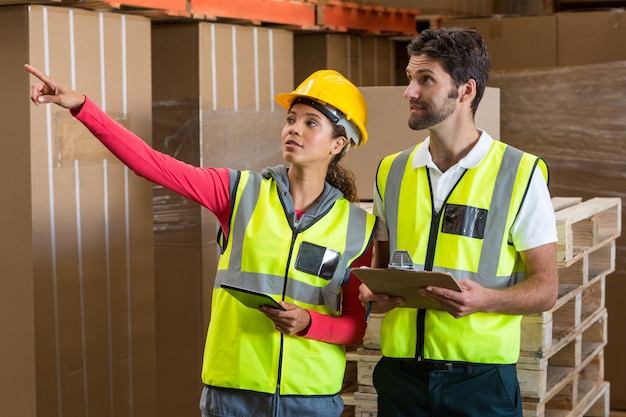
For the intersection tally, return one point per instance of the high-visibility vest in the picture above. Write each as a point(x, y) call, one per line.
point(468, 238)
point(305, 267)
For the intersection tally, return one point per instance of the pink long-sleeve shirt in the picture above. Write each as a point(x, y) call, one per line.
point(210, 188)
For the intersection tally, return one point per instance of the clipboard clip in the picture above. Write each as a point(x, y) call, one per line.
point(401, 260)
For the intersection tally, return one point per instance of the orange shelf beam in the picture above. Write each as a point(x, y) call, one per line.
point(286, 12)
point(149, 8)
point(340, 16)
point(174, 7)
point(332, 15)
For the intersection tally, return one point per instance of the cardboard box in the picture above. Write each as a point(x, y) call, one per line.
point(389, 132)
point(77, 294)
point(522, 7)
point(214, 87)
point(516, 42)
point(364, 60)
point(563, 39)
point(591, 37)
point(18, 389)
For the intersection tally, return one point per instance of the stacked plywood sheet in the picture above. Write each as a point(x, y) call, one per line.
point(561, 365)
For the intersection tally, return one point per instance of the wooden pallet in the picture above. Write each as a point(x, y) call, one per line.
point(592, 401)
point(561, 365)
point(569, 384)
point(540, 332)
point(543, 378)
point(586, 225)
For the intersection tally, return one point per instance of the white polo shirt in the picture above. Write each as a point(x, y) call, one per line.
point(535, 224)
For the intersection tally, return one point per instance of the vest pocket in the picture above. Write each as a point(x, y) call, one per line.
point(464, 221)
point(317, 260)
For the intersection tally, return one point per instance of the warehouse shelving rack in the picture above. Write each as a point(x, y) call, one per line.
point(299, 15)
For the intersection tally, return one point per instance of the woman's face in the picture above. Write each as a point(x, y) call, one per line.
point(307, 137)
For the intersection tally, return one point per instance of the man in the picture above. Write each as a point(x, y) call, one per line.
point(462, 203)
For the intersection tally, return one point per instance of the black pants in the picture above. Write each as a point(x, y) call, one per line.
point(405, 389)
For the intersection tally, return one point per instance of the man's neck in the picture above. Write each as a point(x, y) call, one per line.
point(447, 148)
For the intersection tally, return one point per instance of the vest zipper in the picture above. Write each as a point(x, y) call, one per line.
point(282, 336)
point(280, 364)
point(432, 241)
point(428, 266)
point(429, 262)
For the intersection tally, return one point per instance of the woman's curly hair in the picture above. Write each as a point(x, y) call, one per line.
point(339, 176)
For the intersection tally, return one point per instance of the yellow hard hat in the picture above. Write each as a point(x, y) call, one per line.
point(333, 91)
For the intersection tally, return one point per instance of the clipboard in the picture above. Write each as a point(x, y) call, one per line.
point(404, 283)
point(252, 299)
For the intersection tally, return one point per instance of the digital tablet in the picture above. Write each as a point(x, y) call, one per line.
point(252, 299)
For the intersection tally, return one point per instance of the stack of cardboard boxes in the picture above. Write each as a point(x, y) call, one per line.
point(552, 40)
point(78, 292)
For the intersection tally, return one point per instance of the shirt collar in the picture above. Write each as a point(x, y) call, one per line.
point(422, 156)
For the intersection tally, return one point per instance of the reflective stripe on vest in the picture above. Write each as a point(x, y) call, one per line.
point(469, 239)
point(304, 267)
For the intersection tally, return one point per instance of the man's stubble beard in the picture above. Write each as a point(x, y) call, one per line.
point(434, 117)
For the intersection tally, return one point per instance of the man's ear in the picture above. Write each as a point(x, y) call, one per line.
point(467, 91)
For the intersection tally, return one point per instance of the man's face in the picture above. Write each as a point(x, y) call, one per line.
point(431, 93)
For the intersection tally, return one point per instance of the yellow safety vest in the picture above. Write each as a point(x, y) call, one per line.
point(469, 238)
point(305, 267)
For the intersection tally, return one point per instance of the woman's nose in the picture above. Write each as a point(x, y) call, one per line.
point(295, 128)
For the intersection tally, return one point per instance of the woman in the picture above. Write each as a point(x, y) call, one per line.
point(289, 231)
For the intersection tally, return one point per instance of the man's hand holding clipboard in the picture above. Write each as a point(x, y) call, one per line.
point(406, 284)
point(402, 286)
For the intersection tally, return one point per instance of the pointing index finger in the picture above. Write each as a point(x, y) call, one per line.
point(36, 73)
